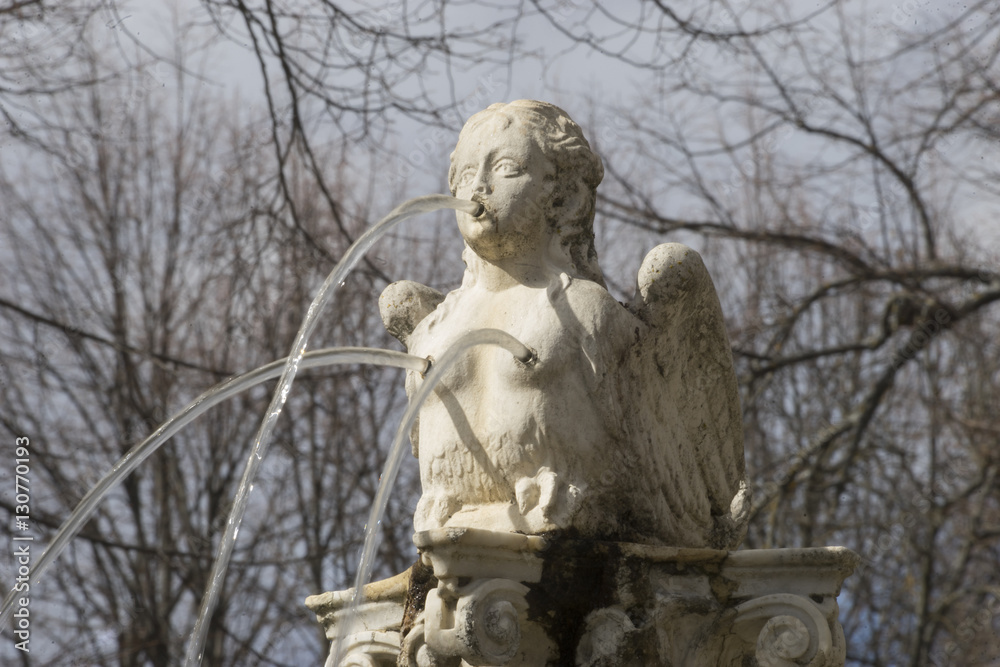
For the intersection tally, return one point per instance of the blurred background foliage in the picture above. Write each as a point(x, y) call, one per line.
point(176, 182)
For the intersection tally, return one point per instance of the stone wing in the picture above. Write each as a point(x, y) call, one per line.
point(403, 305)
point(687, 422)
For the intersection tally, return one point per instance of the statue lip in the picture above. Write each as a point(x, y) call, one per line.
point(482, 206)
point(484, 216)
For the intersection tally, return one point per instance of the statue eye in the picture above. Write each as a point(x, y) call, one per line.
point(507, 167)
point(466, 177)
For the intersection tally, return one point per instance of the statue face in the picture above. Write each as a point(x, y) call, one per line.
point(505, 170)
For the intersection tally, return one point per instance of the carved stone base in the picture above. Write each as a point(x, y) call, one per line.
point(507, 599)
point(372, 639)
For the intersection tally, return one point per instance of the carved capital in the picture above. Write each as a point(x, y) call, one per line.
point(791, 630)
point(370, 632)
point(479, 622)
point(652, 605)
point(606, 634)
point(367, 649)
point(416, 653)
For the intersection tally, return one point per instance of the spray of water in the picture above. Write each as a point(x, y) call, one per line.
point(353, 255)
point(396, 451)
point(139, 453)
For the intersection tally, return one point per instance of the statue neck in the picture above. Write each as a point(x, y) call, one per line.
point(503, 274)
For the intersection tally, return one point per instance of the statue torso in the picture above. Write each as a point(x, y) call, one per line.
point(514, 442)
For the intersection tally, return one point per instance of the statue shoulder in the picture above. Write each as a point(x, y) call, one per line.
point(594, 306)
point(603, 327)
point(404, 304)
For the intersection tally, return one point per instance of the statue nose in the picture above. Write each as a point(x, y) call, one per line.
point(480, 186)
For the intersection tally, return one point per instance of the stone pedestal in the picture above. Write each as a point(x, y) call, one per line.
point(372, 637)
point(508, 599)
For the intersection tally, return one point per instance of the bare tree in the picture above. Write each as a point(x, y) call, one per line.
point(837, 170)
point(842, 165)
point(145, 261)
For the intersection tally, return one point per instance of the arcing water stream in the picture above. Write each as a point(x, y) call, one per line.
point(288, 367)
point(336, 278)
point(142, 451)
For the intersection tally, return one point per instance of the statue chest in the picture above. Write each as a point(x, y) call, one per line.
point(545, 325)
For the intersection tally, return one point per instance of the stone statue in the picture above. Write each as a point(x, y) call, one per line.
point(626, 426)
point(578, 507)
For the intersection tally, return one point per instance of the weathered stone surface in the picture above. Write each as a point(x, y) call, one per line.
point(579, 509)
point(372, 636)
point(529, 601)
point(627, 427)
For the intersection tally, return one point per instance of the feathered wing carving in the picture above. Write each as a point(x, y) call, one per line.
point(403, 304)
point(686, 419)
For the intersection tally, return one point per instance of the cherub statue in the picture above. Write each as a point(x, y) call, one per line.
point(627, 425)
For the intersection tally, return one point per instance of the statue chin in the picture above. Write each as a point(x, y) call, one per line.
point(490, 245)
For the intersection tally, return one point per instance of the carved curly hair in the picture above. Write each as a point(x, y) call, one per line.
point(562, 141)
